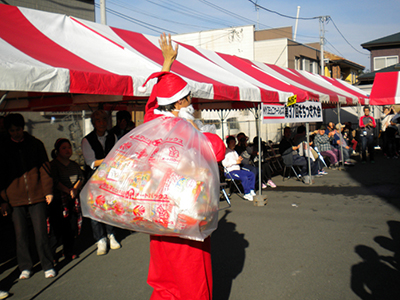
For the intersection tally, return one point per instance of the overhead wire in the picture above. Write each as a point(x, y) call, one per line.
point(334, 48)
point(243, 18)
point(334, 24)
point(155, 16)
point(280, 14)
point(181, 9)
point(136, 21)
point(192, 12)
point(311, 18)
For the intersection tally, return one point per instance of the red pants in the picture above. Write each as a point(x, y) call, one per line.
point(180, 268)
point(354, 144)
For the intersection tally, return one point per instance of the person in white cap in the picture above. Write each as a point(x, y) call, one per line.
point(179, 268)
point(338, 141)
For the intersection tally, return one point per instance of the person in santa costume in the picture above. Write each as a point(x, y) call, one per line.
point(179, 268)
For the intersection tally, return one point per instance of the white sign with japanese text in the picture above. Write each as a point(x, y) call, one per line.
point(297, 113)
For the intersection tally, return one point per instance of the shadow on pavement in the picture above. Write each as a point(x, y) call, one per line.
point(378, 277)
point(380, 178)
point(8, 258)
point(228, 256)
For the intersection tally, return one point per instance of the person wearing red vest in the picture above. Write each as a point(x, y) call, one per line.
point(367, 125)
point(179, 268)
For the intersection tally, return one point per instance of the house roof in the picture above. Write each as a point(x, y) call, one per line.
point(389, 40)
point(336, 59)
point(371, 75)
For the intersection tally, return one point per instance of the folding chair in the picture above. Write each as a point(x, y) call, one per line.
point(222, 187)
point(275, 157)
point(291, 168)
point(231, 181)
point(320, 156)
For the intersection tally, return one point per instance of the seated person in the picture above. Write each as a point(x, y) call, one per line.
point(232, 163)
point(329, 128)
point(391, 132)
point(339, 140)
point(242, 150)
point(322, 142)
point(350, 136)
point(266, 175)
point(300, 135)
point(291, 157)
point(123, 121)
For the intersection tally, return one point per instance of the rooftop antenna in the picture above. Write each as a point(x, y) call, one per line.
point(103, 19)
point(297, 22)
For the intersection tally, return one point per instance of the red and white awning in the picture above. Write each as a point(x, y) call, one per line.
point(386, 89)
point(52, 60)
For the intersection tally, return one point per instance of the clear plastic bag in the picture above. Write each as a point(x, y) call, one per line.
point(161, 178)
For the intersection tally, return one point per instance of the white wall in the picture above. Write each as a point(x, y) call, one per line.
point(237, 41)
point(272, 52)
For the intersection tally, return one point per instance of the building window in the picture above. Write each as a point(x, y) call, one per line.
point(297, 65)
point(308, 65)
point(385, 61)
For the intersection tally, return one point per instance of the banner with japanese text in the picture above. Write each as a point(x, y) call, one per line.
point(305, 112)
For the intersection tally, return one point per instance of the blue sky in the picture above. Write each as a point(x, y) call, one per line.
point(358, 21)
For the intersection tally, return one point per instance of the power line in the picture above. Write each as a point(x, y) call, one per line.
point(243, 18)
point(135, 21)
point(154, 16)
point(181, 9)
point(232, 14)
point(282, 15)
point(333, 22)
point(334, 48)
point(192, 12)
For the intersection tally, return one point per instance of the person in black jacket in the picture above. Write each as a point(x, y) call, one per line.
point(26, 188)
point(95, 147)
point(290, 156)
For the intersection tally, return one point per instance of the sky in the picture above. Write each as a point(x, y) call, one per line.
point(357, 21)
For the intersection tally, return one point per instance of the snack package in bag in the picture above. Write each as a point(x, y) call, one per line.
point(161, 178)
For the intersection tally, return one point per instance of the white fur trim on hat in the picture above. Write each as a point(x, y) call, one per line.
point(142, 89)
point(182, 93)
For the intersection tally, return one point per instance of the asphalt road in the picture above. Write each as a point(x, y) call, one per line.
point(336, 239)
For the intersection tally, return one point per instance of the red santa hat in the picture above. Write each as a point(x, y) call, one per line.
point(169, 88)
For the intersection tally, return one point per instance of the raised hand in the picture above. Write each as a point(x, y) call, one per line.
point(168, 51)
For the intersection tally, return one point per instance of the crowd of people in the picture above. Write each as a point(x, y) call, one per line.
point(46, 193)
point(327, 145)
point(241, 163)
point(34, 190)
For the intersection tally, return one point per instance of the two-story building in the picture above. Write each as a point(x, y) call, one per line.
point(385, 51)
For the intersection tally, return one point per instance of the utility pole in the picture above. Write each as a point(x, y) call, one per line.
point(103, 12)
point(322, 21)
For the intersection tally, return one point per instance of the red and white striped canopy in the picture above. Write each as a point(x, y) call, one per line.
point(386, 89)
point(54, 61)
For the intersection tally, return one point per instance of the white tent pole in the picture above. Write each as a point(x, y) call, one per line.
point(308, 151)
point(222, 125)
point(83, 124)
point(340, 133)
point(259, 151)
point(3, 97)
